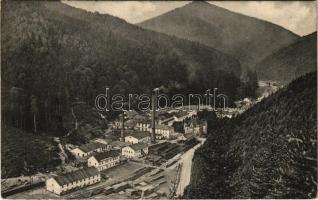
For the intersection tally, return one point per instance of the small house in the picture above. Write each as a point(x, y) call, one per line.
point(163, 131)
point(135, 150)
point(88, 149)
point(138, 136)
point(104, 160)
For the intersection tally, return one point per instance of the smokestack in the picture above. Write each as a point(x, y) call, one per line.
point(153, 128)
point(122, 132)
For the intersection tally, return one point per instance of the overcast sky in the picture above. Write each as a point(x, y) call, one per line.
point(297, 16)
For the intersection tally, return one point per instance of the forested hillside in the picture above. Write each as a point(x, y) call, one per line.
point(290, 62)
point(54, 55)
point(24, 153)
point(246, 38)
point(270, 151)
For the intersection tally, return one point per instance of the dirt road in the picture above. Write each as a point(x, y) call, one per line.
point(186, 161)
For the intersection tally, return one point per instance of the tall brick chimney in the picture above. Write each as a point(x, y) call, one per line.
point(122, 131)
point(153, 128)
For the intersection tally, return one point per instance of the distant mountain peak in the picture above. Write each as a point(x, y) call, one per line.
point(246, 38)
point(199, 3)
point(202, 5)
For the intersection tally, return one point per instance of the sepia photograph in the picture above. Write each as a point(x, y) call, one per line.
point(158, 99)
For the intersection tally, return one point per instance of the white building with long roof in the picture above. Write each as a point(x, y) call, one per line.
point(73, 180)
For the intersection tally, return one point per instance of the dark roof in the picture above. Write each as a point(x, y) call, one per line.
point(90, 146)
point(165, 115)
point(113, 135)
point(131, 113)
point(138, 146)
point(77, 175)
point(107, 154)
point(181, 114)
point(139, 134)
point(140, 116)
point(130, 122)
point(188, 135)
point(119, 144)
point(144, 121)
point(167, 121)
point(195, 122)
point(162, 126)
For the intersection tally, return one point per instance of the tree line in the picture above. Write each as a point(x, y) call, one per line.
point(54, 60)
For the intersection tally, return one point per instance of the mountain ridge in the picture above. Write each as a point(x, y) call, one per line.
point(290, 61)
point(246, 38)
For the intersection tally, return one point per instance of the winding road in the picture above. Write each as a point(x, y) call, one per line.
point(186, 162)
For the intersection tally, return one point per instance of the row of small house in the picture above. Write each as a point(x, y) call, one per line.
point(100, 155)
point(165, 125)
point(133, 137)
point(142, 121)
point(90, 175)
point(130, 142)
point(190, 125)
